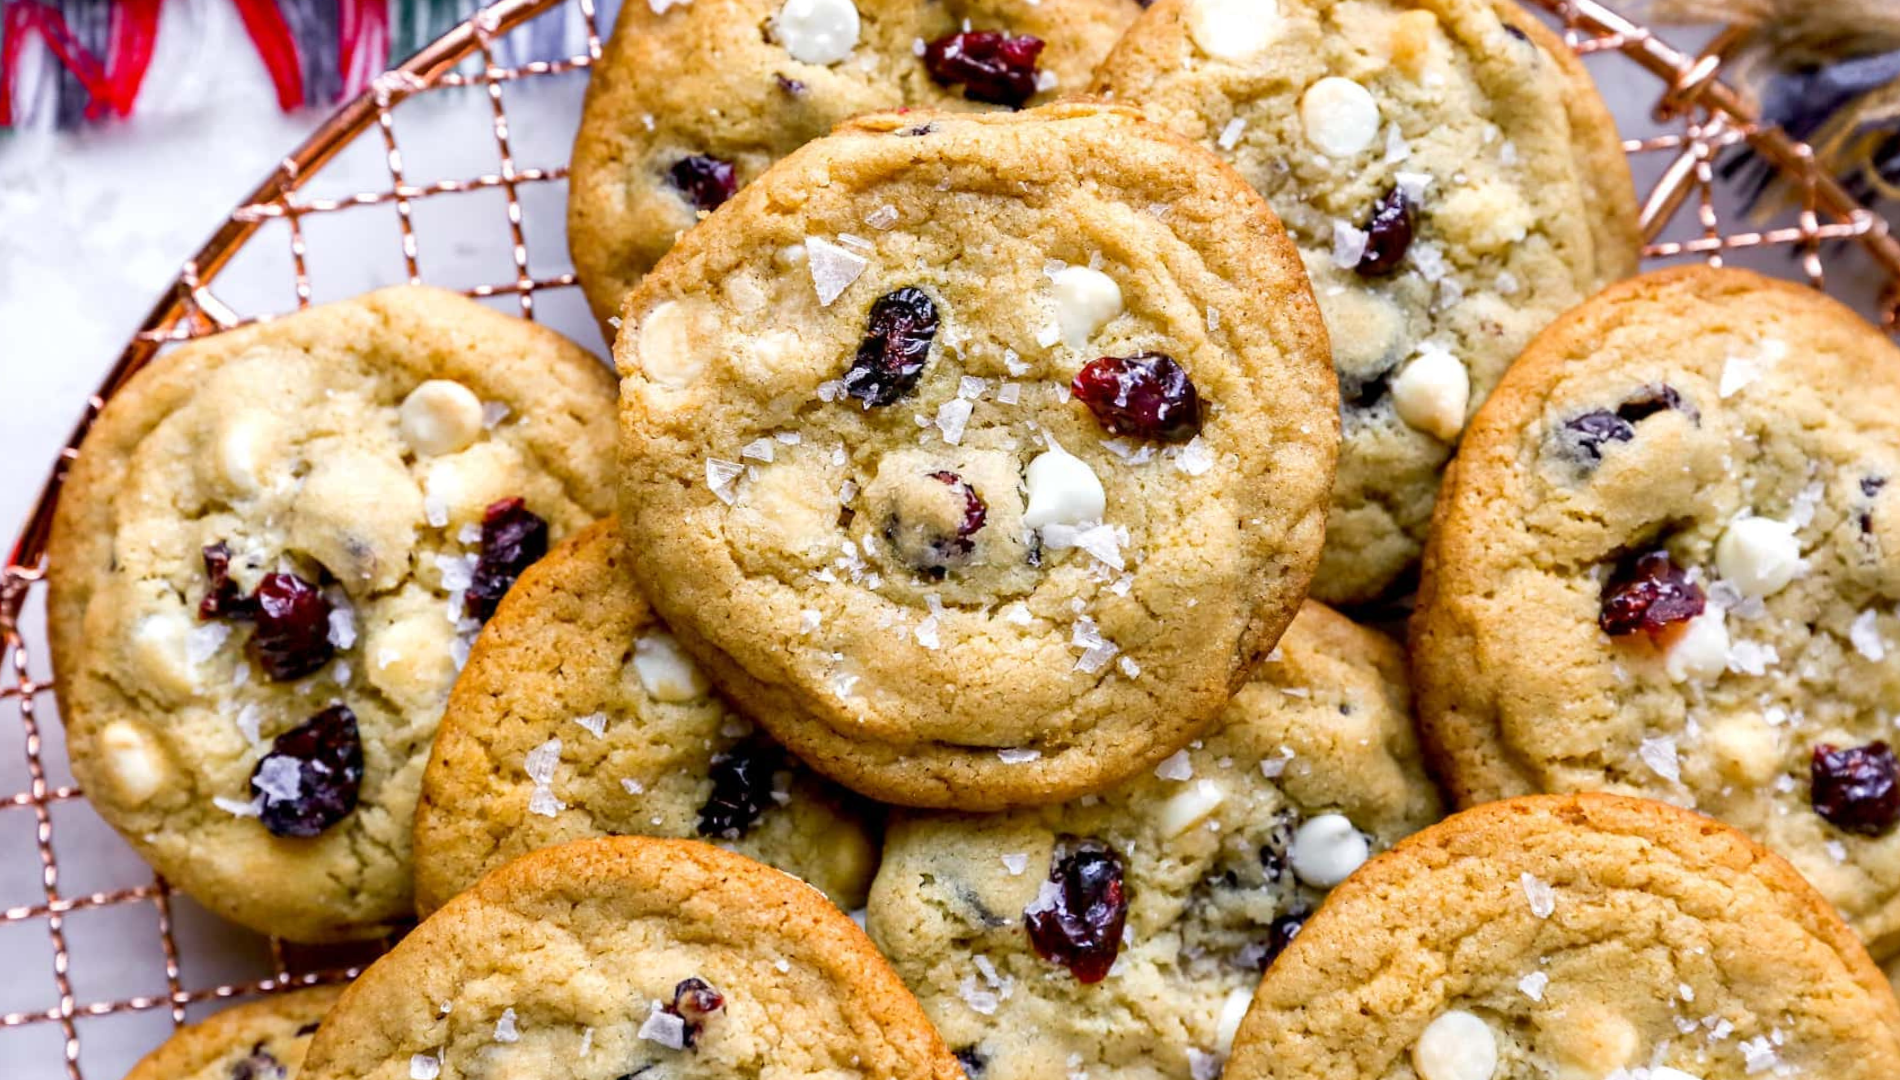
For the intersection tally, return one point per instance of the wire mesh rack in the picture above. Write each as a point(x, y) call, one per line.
point(70, 1006)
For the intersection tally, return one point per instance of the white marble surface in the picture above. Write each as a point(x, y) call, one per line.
point(92, 227)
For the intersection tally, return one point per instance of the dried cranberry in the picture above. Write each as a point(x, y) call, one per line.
point(705, 181)
point(513, 539)
point(973, 1062)
point(1079, 922)
point(1147, 395)
point(741, 789)
point(1650, 594)
point(1593, 429)
point(896, 343)
point(292, 638)
point(1388, 234)
point(223, 599)
point(1650, 400)
point(259, 1064)
point(310, 779)
point(695, 1001)
point(990, 65)
point(1858, 788)
point(788, 86)
point(1870, 485)
point(1280, 934)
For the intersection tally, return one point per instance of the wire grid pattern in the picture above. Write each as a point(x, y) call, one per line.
point(1697, 120)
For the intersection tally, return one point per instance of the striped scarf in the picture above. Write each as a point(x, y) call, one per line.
point(66, 63)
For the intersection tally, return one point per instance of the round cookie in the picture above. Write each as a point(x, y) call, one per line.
point(1453, 183)
point(259, 1040)
point(1560, 937)
point(692, 100)
point(1666, 564)
point(631, 956)
point(578, 715)
point(271, 555)
point(1218, 856)
point(999, 504)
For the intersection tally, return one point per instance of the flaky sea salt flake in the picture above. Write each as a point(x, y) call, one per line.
point(833, 268)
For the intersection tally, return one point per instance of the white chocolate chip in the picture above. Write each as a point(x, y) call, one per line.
point(1432, 393)
point(440, 417)
point(1700, 652)
point(1340, 116)
point(1233, 29)
point(669, 354)
point(1190, 806)
point(1232, 1012)
point(1745, 750)
point(134, 763)
point(1085, 300)
point(1063, 490)
point(818, 31)
point(241, 451)
point(1758, 555)
point(1456, 1046)
point(1326, 850)
point(665, 670)
point(160, 651)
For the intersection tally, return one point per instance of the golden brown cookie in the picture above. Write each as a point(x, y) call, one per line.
point(579, 715)
point(268, 563)
point(1122, 934)
point(1666, 563)
point(259, 1040)
point(1588, 936)
point(631, 956)
point(1453, 183)
point(978, 456)
point(691, 100)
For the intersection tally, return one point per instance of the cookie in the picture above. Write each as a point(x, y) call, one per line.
point(1122, 935)
point(259, 1040)
point(692, 100)
point(579, 715)
point(269, 560)
point(1584, 936)
point(979, 455)
point(631, 956)
point(1453, 183)
point(1666, 564)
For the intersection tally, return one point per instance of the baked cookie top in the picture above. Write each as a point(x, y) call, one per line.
point(1667, 565)
point(1122, 935)
point(690, 101)
point(978, 456)
point(1572, 936)
point(1453, 183)
point(631, 956)
point(259, 1040)
point(271, 556)
point(579, 715)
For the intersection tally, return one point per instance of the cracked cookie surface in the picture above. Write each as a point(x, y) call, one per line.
point(1667, 564)
point(273, 551)
point(578, 715)
point(1572, 937)
point(1223, 851)
point(1453, 183)
point(691, 101)
point(258, 1040)
point(996, 504)
point(633, 956)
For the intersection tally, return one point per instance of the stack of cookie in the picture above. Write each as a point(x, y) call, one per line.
point(955, 560)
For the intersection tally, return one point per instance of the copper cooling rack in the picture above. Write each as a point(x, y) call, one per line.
point(70, 1007)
